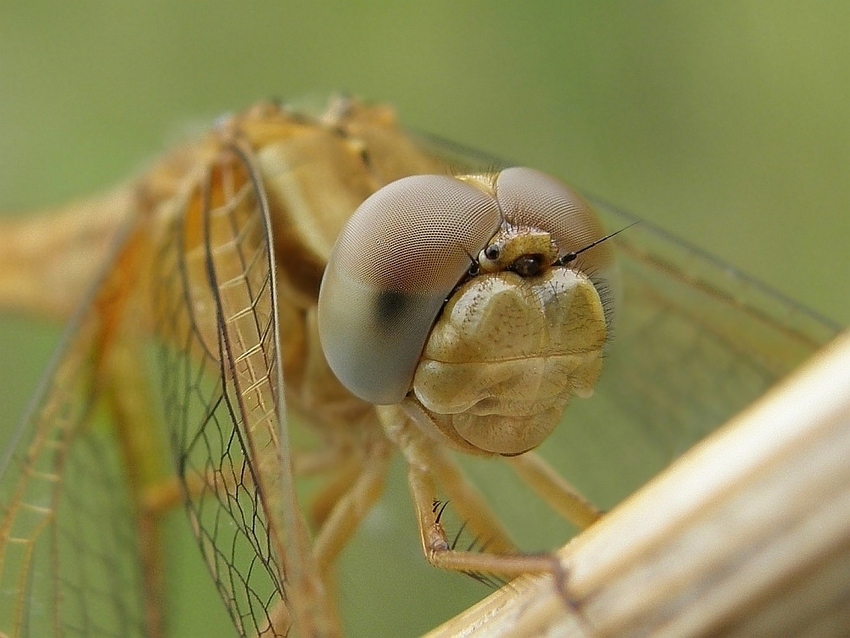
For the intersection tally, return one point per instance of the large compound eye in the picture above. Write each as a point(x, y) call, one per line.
point(530, 198)
point(395, 262)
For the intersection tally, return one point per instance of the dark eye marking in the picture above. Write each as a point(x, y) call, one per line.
point(390, 305)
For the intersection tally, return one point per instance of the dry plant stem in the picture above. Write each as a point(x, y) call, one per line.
point(747, 534)
point(552, 488)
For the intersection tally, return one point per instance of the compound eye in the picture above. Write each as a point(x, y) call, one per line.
point(528, 197)
point(395, 262)
point(531, 198)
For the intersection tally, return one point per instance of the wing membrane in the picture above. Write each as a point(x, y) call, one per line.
point(69, 562)
point(696, 343)
point(221, 376)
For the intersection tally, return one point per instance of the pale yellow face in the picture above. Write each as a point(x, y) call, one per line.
point(507, 354)
point(464, 294)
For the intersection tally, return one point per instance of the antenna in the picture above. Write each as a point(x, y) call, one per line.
point(571, 256)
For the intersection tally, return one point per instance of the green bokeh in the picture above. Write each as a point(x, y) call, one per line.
point(726, 123)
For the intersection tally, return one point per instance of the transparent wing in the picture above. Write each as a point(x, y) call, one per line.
point(69, 561)
point(696, 343)
point(221, 377)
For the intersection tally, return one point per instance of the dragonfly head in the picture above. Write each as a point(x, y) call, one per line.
point(454, 291)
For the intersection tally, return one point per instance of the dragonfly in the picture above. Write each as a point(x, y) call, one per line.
point(252, 314)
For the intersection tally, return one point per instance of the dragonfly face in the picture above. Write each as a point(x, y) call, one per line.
point(220, 269)
point(521, 335)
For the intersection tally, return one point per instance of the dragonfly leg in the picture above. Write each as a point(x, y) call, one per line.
point(163, 497)
point(554, 489)
point(128, 399)
point(339, 484)
point(421, 450)
point(352, 505)
point(279, 621)
point(171, 492)
point(312, 462)
point(438, 549)
point(429, 465)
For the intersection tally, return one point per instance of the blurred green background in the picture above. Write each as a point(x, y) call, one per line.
point(726, 123)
